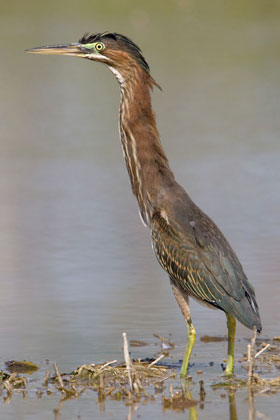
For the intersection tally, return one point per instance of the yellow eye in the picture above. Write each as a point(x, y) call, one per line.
point(99, 46)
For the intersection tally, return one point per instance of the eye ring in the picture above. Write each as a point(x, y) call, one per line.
point(99, 46)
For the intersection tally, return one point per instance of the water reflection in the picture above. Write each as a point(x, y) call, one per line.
point(194, 409)
point(232, 405)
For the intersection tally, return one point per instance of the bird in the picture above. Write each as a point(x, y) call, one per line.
point(188, 245)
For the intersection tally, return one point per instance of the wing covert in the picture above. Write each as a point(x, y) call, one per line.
point(198, 264)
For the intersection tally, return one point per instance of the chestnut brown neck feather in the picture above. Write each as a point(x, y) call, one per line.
point(145, 159)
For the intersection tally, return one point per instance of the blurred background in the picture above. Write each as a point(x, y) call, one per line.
point(77, 267)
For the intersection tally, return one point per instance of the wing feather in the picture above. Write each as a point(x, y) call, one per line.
point(201, 262)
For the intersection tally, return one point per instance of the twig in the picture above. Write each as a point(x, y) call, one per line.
point(263, 391)
point(262, 350)
point(8, 386)
point(251, 358)
point(59, 378)
point(12, 377)
point(127, 360)
point(46, 378)
point(252, 415)
point(157, 360)
point(100, 370)
point(131, 411)
point(202, 392)
point(57, 411)
point(89, 368)
point(106, 364)
point(171, 390)
point(8, 383)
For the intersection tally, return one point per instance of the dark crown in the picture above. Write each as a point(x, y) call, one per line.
point(118, 41)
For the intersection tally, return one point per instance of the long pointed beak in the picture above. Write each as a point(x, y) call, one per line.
point(61, 49)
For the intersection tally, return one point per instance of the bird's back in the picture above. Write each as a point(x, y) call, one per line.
point(199, 259)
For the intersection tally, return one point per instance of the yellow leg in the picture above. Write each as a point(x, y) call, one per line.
point(231, 324)
point(183, 301)
point(192, 409)
point(188, 351)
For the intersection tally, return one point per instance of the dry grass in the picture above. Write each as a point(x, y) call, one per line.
point(119, 383)
point(133, 382)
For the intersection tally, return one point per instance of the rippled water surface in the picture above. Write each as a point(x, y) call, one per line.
point(77, 267)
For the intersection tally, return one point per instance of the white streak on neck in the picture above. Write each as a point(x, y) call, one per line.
point(141, 218)
point(118, 75)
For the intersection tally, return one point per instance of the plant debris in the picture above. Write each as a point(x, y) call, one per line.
point(141, 380)
point(179, 401)
point(21, 367)
point(137, 343)
point(212, 339)
point(166, 344)
point(115, 381)
point(12, 383)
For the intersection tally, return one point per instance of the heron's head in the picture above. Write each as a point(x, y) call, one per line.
point(115, 50)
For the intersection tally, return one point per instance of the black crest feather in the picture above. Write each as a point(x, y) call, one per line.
point(117, 41)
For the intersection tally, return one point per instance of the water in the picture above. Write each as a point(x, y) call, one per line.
point(76, 263)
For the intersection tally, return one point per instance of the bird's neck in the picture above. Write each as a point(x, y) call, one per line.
point(146, 162)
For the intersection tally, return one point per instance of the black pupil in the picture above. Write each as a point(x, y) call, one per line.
point(99, 46)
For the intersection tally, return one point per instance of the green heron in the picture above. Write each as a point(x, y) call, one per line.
point(188, 245)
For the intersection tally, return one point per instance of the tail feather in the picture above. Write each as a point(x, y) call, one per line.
point(245, 311)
